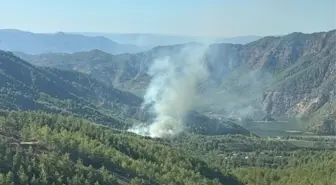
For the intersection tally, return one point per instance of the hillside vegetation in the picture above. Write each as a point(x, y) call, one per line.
point(288, 76)
point(38, 148)
point(41, 149)
point(27, 87)
point(24, 86)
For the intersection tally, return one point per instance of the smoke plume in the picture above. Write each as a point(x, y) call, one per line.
point(171, 93)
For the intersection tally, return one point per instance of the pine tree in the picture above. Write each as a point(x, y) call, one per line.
point(22, 176)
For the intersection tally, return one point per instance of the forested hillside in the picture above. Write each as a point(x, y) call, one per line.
point(63, 148)
point(288, 76)
point(41, 149)
point(38, 148)
point(167, 93)
point(24, 86)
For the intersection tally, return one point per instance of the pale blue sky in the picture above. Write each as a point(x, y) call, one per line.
point(187, 17)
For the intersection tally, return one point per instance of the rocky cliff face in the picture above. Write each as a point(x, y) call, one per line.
point(307, 87)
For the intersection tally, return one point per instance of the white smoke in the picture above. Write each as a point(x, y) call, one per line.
point(171, 93)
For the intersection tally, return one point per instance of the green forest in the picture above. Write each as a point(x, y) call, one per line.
point(40, 148)
point(61, 126)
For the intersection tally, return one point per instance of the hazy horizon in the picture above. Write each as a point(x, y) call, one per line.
point(128, 33)
point(211, 18)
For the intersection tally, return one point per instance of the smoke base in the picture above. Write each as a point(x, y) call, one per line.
point(171, 93)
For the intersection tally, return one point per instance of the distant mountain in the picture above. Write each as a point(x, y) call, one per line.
point(239, 40)
point(287, 76)
point(36, 43)
point(24, 86)
point(153, 40)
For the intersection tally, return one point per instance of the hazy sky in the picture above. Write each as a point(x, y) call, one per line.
point(187, 17)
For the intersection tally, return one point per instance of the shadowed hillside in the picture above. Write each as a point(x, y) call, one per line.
point(28, 87)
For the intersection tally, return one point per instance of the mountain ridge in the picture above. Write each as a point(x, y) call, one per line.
point(153, 40)
point(28, 87)
point(259, 68)
point(36, 43)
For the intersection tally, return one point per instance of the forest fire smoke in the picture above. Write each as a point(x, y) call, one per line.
point(170, 95)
